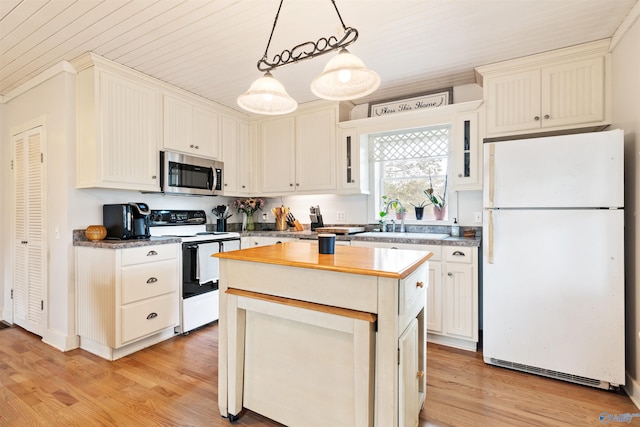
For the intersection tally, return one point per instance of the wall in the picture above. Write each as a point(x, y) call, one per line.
point(626, 115)
point(5, 174)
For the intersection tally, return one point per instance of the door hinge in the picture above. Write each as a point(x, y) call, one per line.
point(11, 164)
point(398, 356)
point(41, 157)
point(41, 304)
point(11, 293)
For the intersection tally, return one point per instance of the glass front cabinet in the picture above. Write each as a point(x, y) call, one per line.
point(466, 150)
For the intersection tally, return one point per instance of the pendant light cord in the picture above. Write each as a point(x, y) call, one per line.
point(307, 49)
point(275, 21)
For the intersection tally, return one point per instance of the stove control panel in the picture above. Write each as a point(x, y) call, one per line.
point(175, 217)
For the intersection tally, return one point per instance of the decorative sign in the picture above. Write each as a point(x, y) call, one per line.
point(430, 100)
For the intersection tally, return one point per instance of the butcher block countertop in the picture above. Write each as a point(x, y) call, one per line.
point(391, 263)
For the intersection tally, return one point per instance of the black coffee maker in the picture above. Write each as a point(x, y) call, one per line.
point(126, 221)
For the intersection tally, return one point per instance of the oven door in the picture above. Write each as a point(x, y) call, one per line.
point(199, 268)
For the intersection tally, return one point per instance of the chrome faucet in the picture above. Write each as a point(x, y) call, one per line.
point(386, 210)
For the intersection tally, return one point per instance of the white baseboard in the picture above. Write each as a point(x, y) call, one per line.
point(460, 343)
point(632, 388)
point(61, 342)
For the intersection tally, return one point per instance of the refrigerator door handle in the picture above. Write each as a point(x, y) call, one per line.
point(492, 165)
point(490, 237)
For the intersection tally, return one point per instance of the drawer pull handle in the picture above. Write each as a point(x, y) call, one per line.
point(152, 253)
point(458, 253)
point(420, 285)
point(420, 374)
point(449, 274)
point(152, 280)
point(152, 315)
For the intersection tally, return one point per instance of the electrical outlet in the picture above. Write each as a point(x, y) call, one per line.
point(341, 216)
point(477, 217)
point(265, 217)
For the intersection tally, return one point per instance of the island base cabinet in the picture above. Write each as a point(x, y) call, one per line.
point(301, 366)
point(311, 347)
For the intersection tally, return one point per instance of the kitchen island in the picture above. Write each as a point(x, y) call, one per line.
point(309, 339)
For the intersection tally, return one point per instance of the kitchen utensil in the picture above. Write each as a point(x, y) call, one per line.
point(290, 219)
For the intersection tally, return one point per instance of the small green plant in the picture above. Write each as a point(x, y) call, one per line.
point(422, 204)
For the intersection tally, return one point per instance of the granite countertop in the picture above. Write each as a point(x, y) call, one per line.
point(79, 239)
point(413, 238)
point(346, 259)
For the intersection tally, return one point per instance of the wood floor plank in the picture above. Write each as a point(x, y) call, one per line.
point(174, 383)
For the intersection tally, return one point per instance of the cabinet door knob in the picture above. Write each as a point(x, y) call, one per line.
point(290, 185)
point(243, 186)
point(152, 280)
point(536, 118)
point(546, 116)
point(154, 177)
point(353, 181)
point(152, 315)
point(197, 147)
point(297, 184)
point(191, 146)
point(459, 175)
point(152, 253)
point(449, 274)
point(420, 285)
point(225, 184)
point(420, 374)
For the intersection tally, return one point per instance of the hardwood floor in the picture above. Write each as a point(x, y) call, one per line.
point(174, 383)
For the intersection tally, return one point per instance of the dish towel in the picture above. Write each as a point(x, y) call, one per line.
point(207, 265)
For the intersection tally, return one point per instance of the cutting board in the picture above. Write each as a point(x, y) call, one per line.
point(340, 230)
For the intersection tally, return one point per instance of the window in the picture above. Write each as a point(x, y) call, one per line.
point(407, 162)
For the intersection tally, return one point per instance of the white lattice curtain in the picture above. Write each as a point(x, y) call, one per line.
point(414, 144)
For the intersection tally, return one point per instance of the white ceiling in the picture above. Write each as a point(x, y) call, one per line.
point(211, 47)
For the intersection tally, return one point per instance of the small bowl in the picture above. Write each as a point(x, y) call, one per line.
point(95, 232)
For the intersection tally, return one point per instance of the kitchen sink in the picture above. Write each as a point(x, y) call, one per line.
point(391, 235)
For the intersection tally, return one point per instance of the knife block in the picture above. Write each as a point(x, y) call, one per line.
point(315, 225)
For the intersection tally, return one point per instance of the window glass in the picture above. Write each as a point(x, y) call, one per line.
point(407, 162)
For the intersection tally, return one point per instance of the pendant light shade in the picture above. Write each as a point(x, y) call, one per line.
point(345, 77)
point(267, 96)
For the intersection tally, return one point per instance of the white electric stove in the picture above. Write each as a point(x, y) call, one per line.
point(199, 283)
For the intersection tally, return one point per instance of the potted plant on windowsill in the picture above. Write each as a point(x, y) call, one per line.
point(419, 208)
point(438, 201)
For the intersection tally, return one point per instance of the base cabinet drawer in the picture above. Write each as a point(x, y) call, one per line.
point(146, 281)
point(144, 254)
point(149, 316)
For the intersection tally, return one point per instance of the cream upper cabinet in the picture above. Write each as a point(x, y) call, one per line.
point(277, 155)
point(298, 152)
point(353, 164)
point(190, 126)
point(563, 89)
point(316, 150)
point(467, 157)
point(237, 156)
point(118, 120)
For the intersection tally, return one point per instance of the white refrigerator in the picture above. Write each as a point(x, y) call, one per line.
point(553, 257)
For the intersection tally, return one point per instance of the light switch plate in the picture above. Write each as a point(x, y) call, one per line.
point(478, 217)
point(341, 216)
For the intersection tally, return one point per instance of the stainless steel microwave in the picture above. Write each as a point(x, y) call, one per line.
point(190, 175)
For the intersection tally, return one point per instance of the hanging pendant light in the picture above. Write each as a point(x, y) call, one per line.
point(267, 96)
point(345, 77)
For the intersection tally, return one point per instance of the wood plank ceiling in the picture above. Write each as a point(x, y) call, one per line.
point(210, 47)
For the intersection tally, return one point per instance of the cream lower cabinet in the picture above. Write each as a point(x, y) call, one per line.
point(127, 299)
point(252, 241)
point(452, 296)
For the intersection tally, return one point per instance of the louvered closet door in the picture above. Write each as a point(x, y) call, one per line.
point(29, 265)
